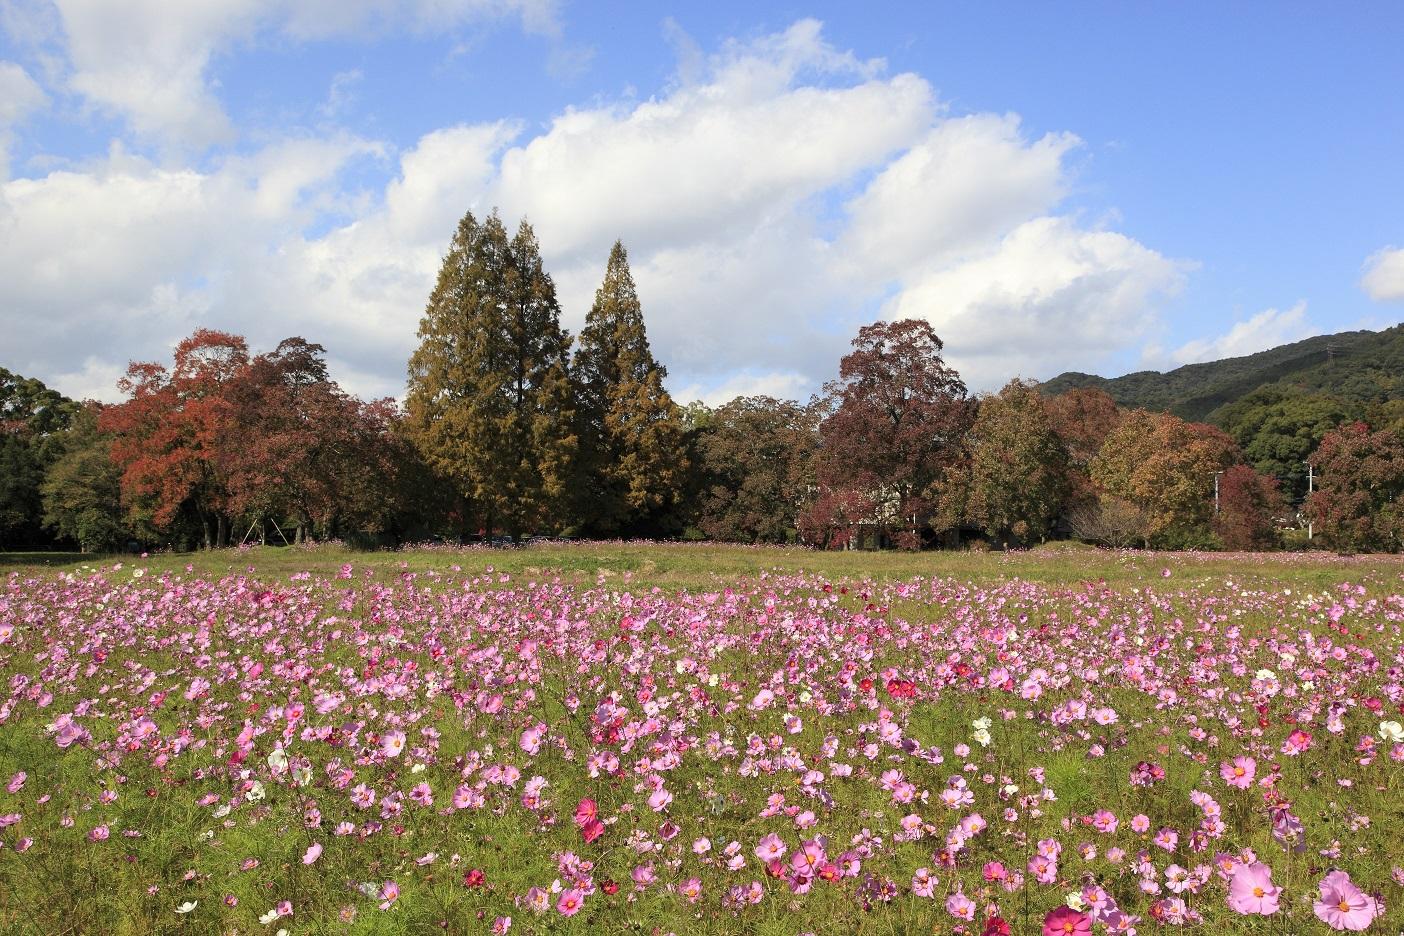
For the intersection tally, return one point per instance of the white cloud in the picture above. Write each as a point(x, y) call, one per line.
point(779, 194)
point(19, 94)
point(123, 258)
point(1384, 275)
point(711, 159)
point(1049, 297)
point(1268, 329)
point(957, 191)
point(147, 61)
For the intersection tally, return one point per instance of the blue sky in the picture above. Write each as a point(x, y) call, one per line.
point(1100, 187)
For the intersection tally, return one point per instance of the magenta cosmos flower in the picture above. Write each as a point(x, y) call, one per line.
point(1251, 890)
point(1343, 906)
point(1239, 773)
point(1065, 921)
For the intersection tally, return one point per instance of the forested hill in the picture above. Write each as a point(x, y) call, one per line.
point(1358, 367)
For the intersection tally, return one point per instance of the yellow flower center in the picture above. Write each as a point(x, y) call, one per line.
point(1258, 892)
point(1343, 906)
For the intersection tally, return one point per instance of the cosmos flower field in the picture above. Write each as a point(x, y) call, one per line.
point(439, 743)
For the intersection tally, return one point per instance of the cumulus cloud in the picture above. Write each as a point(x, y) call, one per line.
point(1268, 329)
point(774, 196)
point(1384, 275)
point(1050, 296)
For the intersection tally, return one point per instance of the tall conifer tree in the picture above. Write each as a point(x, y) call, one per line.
point(633, 445)
point(490, 403)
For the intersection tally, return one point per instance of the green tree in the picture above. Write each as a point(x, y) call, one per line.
point(490, 403)
point(82, 489)
point(757, 460)
point(1278, 430)
point(633, 455)
point(1016, 472)
point(32, 417)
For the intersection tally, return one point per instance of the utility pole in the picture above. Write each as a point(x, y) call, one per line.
point(1216, 492)
point(1311, 486)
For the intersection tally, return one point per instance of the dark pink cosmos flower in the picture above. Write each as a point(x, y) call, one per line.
point(1065, 921)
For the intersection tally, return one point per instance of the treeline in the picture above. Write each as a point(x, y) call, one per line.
point(512, 428)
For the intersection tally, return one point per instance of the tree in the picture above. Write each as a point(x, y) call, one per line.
point(489, 402)
point(32, 417)
point(1249, 503)
point(756, 458)
point(633, 458)
point(1359, 499)
point(170, 435)
point(1083, 417)
point(1016, 474)
point(897, 416)
point(1165, 467)
point(1279, 430)
point(82, 488)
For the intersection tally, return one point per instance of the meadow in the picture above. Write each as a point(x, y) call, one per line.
point(630, 738)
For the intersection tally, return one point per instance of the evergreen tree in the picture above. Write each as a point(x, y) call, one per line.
point(633, 438)
point(490, 403)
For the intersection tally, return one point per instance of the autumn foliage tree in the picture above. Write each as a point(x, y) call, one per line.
point(1082, 418)
point(1165, 467)
point(897, 414)
point(1015, 475)
point(633, 455)
point(305, 450)
point(490, 404)
point(168, 436)
point(1359, 499)
point(1249, 504)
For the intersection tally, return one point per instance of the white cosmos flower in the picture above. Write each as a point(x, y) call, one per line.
point(187, 906)
point(1392, 731)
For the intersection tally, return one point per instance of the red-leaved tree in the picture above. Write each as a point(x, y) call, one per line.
point(897, 413)
point(168, 436)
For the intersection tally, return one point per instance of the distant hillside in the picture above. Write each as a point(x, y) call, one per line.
point(1361, 367)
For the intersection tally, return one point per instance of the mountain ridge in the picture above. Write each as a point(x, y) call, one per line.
point(1361, 367)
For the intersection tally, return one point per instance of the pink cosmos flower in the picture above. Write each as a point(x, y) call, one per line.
point(393, 743)
point(389, 893)
point(659, 799)
point(1343, 906)
point(16, 782)
point(960, 906)
point(314, 851)
point(1297, 742)
point(1065, 921)
point(570, 902)
point(1239, 773)
point(923, 884)
point(771, 848)
point(1251, 890)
